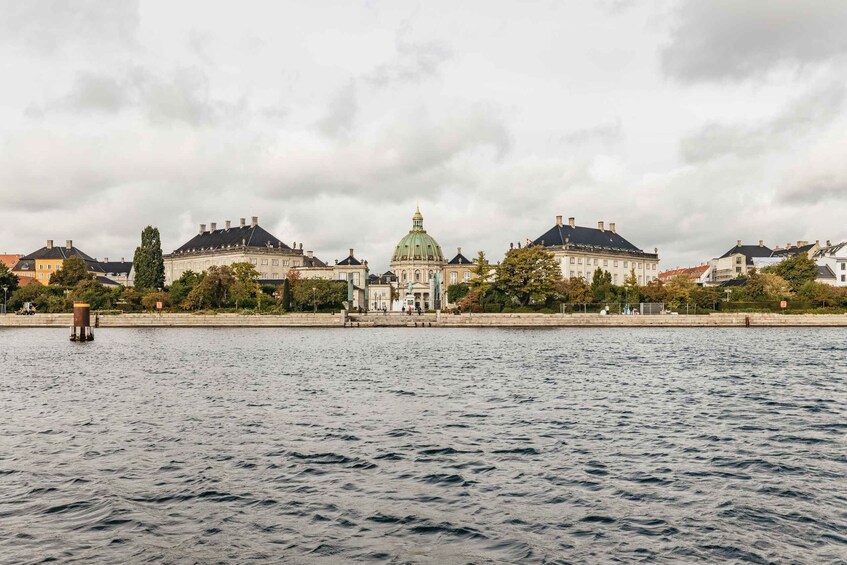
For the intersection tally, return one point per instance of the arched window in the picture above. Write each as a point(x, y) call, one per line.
point(417, 276)
point(417, 250)
point(404, 276)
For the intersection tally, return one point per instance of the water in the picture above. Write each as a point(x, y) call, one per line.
point(424, 446)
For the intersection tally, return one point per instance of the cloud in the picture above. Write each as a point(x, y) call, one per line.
point(341, 112)
point(414, 63)
point(800, 117)
point(728, 40)
point(98, 93)
point(48, 26)
point(602, 133)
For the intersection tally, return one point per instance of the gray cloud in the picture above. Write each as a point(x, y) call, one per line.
point(97, 92)
point(47, 26)
point(720, 40)
point(414, 62)
point(802, 116)
point(341, 112)
point(603, 133)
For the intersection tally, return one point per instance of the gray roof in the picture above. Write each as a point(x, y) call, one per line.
point(831, 250)
point(251, 236)
point(460, 259)
point(350, 260)
point(116, 267)
point(313, 262)
point(824, 272)
point(589, 238)
point(749, 251)
point(57, 252)
point(791, 251)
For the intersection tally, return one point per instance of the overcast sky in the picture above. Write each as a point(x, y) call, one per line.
point(688, 123)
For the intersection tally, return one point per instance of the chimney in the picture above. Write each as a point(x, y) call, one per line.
point(202, 228)
point(818, 242)
point(49, 244)
point(802, 242)
point(572, 222)
point(828, 244)
point(738, 243)
point(351, 252)
point(459, 249)
point(69, 243)
point(612, 227)
point(243, 222)
point(122, 259)
point(228, 225)
point(105, 259)
point(600, 226)
point(788, 245)
point(255, 221)
point(213, 226)
point(309, 254)
point(559, 221)
point(761, 243)
point(301, 246)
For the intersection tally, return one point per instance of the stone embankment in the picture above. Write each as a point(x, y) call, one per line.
point(433, 320)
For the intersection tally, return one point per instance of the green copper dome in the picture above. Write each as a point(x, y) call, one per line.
point(417, 245)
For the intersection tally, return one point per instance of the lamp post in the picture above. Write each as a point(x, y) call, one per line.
point(315, 299)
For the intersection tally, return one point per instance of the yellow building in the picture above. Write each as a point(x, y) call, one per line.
point(43, 263)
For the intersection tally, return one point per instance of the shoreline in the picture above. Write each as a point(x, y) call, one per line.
point(523, 320)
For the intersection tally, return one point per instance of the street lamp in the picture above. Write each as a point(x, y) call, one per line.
point(315, 299)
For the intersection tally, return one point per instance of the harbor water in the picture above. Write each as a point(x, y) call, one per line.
point(404, 445)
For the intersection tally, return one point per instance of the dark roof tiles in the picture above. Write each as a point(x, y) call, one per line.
point(251, 236)
point(579, 236)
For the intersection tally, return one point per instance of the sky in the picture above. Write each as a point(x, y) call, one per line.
point(689, 124)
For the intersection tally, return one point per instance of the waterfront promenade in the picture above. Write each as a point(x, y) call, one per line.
point(524, 320)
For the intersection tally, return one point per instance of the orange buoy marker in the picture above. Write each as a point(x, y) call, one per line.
point(81, 330)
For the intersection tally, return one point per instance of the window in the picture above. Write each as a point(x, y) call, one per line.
point(264, 261)
point(49, 266)
point(737, 269)
point(579, 260)
point(639, 265)
point(625, 264)
point(843, 277)
point(274, 262)
point(285, 262)
point(844, 266)
point(654, 266)
point(615, 277)
point(605, 262)
point(41, 275)
point(454, 277)
point(417, 276)
point(467, 277)
point(275, 276)
point(573, 260)
point(254, 261)
point(616, 262)
point(404, 276)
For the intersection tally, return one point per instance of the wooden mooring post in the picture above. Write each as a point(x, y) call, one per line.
point(81, 330)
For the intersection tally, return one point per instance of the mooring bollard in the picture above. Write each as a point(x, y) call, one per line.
point(81, 330)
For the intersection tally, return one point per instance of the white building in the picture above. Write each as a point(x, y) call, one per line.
point(581, 250)
point(833, 258)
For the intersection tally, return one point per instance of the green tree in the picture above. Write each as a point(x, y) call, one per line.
point(180, 288)
point(529, 275)
point(480, 284)
point(212, 290)
point(575, 291)
point(456, 292)
point(286, 295)
point(8, 279)
point(148, 264)
point(601, 284)
point(151, 300)
point(245, 291)
point(797, 270)
point(654, 291)
point(678, 291)
point(74, 269)
point(93, 293)
point(327, 294)
point(632, 290)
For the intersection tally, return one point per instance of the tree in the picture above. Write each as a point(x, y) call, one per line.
point(529, 275)
point(678, 291)
point(327, 294)
point(74, 269)
point(286, 295)
point(456, 292)
point(8, 279)
point(631, 288)
point(796, 270)
point(774, 286)
point(575, 290)
point(654, 291)
point(151, 300)
point(480, 284)
point(93, 293)
point(148, 264)
point(180, 288)
point(246, 288)
point(601, 284)
point(212, 290)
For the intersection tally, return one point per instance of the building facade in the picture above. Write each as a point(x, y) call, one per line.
point(833, 259)
point(234, 244)
point(581, 250)
point(41, 264)
point(418, 263)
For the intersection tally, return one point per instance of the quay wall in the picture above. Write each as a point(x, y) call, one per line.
point(433, 320)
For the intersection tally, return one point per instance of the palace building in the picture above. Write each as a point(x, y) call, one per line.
point(582, 250)
point(417, 262)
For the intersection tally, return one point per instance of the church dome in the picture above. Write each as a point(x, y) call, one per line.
point(417, 245)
